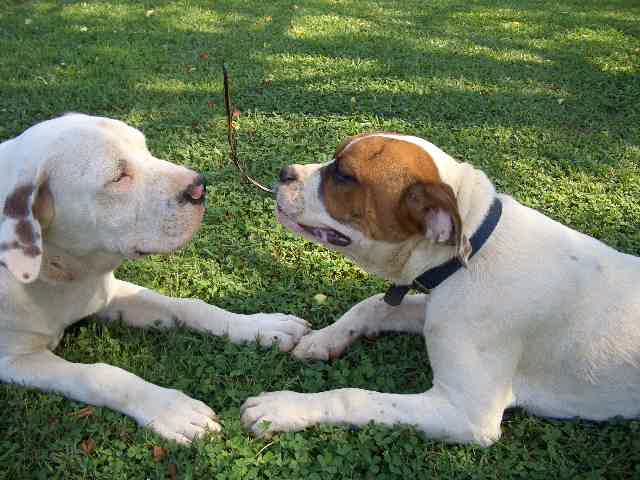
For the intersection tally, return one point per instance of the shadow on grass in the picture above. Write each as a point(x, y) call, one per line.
point(435, 66)
point(552, 80)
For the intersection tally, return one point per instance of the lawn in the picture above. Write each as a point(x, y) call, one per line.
point(542, 95)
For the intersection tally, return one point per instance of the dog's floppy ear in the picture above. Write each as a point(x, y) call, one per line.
point(26, 202)
point(433, 207)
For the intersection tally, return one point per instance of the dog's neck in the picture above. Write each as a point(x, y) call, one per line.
point(402, 263)
point(62, 266)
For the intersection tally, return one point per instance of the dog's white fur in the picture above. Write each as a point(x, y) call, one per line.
point(61, 271)
point(545, 318)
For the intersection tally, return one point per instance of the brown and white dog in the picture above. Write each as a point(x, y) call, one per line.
point(78, 195)
point(542, 317)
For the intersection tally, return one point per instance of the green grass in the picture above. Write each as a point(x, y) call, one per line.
point(543, 96)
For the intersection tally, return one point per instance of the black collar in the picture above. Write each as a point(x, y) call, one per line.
point(436, 275)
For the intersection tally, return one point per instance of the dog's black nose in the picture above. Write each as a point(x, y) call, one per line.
point(288, 174)
point(196, 192)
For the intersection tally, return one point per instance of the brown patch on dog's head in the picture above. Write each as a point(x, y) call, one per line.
point(342, 145)
point(17, 203)
point(389, 189)
point(25, 232)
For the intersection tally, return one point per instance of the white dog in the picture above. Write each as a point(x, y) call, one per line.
point(542, 317)
point(78, 195)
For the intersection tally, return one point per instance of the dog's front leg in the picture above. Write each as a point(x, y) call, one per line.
point(472, 385)
point(142, 307)
point(369, 317)
point(169, 412)
point(431, 412)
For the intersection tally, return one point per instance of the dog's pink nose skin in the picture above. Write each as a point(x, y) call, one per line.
point(195, 192)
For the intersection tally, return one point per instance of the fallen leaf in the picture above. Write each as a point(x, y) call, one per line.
point(173, 471)
point(204, 56)
point(159, 453)
point(371, 338)
point(83, 412)
point(88, 446)
point(320, 298)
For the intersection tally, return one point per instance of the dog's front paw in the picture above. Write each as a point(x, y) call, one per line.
point(175, 416)
point(273, 412)
point(269, 328)
point(325, 344)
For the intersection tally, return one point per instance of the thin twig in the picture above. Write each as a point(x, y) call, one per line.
point(264, 448)
point(231, 135)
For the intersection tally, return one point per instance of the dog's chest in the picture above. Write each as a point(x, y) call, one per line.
point(73, 302)
point(38, 313)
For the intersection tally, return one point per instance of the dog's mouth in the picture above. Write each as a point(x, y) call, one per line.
point(176, 234)
point(325, 235)
point(144, 251)
point(140, 252)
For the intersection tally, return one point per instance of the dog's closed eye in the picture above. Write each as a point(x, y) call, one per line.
point(342, 177)
point(120, 177)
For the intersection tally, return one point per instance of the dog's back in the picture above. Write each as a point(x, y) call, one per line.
point(581, 318)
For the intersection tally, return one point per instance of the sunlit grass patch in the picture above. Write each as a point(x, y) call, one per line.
point(541, 95)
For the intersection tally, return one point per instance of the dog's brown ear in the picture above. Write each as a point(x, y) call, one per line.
point(27, 209)
point(433, 209)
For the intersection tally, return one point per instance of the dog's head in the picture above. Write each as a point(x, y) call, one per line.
point(380, 193)
point(90, 185)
